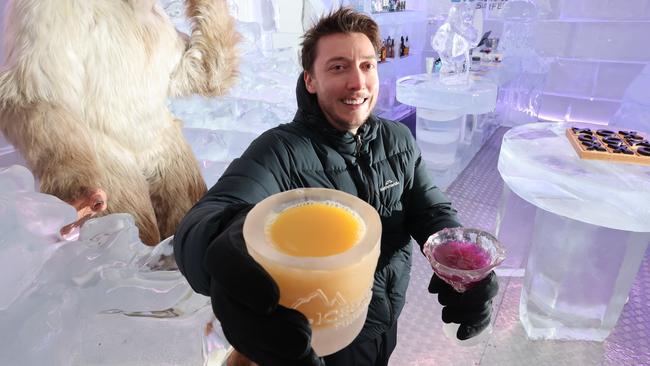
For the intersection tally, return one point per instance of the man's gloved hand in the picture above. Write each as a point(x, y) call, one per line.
point(245, 300)
point(471, 309)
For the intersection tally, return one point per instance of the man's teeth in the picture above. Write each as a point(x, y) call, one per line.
point(354, 101)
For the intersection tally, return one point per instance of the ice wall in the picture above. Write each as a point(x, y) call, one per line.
point(600, 46)
point(593, 49)
point(219, 129)
point(634, 112)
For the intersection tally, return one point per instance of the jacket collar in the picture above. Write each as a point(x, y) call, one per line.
point(310, 114)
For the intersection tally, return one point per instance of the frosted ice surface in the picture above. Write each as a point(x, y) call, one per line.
point(634, 112)
point(425, 91)
point(104, 299)
point(539, 164)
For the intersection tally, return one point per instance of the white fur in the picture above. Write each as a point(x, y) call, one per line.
point(107, 67)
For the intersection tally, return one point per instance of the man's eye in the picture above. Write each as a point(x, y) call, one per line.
point(336, 67)
point(371, 66)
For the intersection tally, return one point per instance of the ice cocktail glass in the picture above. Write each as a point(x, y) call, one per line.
point(461, 257)
point(321, 247)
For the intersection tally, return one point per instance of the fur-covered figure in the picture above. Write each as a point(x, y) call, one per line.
point(83, 97)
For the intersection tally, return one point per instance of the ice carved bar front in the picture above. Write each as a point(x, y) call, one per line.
point(578, 277)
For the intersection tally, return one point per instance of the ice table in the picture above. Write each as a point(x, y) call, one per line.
point(447, 138)
point(588, 225)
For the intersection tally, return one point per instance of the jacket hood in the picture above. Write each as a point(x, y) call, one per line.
point(310, 113)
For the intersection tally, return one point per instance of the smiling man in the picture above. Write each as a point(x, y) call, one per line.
point(334, 141)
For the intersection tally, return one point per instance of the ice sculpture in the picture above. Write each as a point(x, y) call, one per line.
point(105, 299)
point(453, 40)
point(522, 73)
point(634, 112)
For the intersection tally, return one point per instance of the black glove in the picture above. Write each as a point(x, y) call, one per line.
point(471, 309)
point(245, 300)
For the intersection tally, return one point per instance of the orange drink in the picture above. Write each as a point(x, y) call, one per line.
point(315, 229)
point(321, 247)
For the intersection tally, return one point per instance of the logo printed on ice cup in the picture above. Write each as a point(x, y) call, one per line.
point(341, 313)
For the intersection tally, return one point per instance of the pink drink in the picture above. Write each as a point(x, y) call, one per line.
point(461, 255)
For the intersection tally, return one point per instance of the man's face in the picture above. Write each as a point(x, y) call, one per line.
point(344, 79)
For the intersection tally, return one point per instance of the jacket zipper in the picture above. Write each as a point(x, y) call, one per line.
point(357, 148)
point(363, 167)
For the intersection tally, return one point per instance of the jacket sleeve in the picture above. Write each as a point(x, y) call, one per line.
point(428, 209)
point(248, 180)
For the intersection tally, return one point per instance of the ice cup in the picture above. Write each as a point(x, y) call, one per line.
point(461, 257)
point(332, 291)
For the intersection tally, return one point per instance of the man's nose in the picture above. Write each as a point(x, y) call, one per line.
point(356, 79)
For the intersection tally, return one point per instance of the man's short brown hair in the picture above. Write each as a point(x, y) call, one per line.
point(343, 20)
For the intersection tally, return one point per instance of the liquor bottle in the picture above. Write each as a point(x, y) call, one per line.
point(407, 49)
point(401, 46)
point(382, 52)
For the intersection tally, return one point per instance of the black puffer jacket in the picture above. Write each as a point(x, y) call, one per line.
point(381, 165)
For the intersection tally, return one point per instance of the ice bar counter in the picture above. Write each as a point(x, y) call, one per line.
point(441, 129)
point(588, 225)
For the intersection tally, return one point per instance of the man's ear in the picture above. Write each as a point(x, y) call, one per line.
point(309, 82)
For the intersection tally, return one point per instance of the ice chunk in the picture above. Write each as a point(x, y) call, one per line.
point(103, 299)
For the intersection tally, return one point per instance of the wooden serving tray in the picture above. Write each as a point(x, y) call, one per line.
point(604, 144)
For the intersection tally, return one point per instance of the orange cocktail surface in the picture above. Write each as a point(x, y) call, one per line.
point(315, 229)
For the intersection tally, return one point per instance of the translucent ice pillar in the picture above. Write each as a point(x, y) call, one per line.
point(522, 73)
point(578, 277)
point(441, 128)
